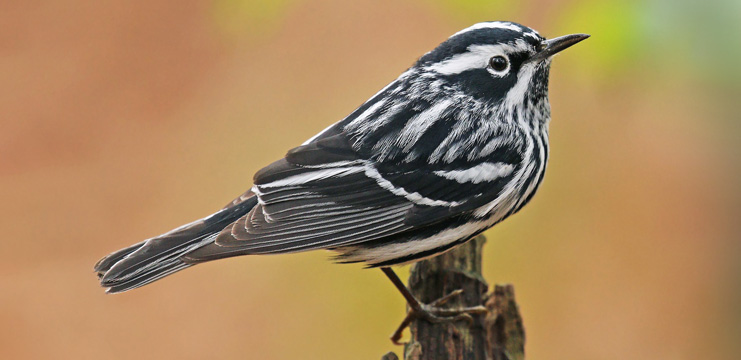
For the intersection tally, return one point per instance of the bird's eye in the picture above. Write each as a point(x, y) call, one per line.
point(498, 63)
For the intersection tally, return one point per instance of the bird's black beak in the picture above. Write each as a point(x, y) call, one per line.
point(553, 46)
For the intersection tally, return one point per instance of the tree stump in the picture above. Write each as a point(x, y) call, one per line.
point(499, 335)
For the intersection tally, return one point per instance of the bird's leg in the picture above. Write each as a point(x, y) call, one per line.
point(431, 312)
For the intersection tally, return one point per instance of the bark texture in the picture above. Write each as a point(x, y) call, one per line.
point(499, 335)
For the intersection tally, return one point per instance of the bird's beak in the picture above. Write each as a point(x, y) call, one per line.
point(553, 46)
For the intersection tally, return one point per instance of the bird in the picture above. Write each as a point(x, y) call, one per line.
point(456, 144)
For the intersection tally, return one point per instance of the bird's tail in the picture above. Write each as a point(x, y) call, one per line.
point(155, 258)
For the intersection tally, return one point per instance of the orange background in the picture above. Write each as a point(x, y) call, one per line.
point(122, 120)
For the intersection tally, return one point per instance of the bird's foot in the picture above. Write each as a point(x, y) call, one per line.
point(434, 313)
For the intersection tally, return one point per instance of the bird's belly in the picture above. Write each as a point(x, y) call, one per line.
point(407, 250)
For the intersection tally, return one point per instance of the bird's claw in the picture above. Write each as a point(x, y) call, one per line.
point(433, 313)
point(446, 298)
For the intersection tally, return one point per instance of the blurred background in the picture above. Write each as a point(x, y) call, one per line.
point(122, 120)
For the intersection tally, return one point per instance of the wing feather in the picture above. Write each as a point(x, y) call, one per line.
point(324, 195)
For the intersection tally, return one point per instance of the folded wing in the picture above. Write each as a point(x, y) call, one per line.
point(324, 195)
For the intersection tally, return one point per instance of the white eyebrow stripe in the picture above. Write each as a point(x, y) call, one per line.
point(533, 34)
point(459, 63)
point(490, 25)
point(476, 57)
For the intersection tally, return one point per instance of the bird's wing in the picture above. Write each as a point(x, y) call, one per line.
point(325, 195)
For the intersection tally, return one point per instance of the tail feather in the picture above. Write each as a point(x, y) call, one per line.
point(154, 253)
point(155, 258)
point(163, 269)
point(105, 264)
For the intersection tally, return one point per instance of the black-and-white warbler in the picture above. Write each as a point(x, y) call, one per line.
point(453, 146)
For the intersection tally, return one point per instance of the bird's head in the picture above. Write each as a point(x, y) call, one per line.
point(496, 62)
point(482, 77)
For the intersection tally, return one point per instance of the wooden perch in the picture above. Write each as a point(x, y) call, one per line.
point(499, 335)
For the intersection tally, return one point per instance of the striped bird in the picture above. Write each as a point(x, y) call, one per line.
point(454, 145)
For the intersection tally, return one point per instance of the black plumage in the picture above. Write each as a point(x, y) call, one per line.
point(447, 150)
